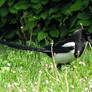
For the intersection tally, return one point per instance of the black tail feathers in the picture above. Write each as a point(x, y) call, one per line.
point(17, 46)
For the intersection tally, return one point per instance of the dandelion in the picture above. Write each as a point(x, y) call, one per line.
point(86, 89)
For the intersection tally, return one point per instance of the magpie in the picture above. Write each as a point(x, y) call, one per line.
point(64, 51)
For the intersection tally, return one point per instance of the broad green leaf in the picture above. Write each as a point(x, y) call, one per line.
point(11, 35)
point(44, 15)
point(10, 2)
point(76, 6)
point(90, 8)
point(73, 21)
point(84, 22)
point(66, 9)
point(43, 2)
point(83, 16)
point(56, 0)
point(79, 4)
point(54, 32)
point(13, 21)
point(22, 5)
point(63, 31)
point(85, 3)
point(37, 6)
point(56, 16)
point(52, 10)
point(3, 21)
point(32, 18)
point(13, 10)
point(35, 1)
point(90, 29)
point(3, 12)
point(41, 36)
point(2, 2)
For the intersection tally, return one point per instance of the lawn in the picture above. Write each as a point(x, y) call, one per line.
point(28, 71)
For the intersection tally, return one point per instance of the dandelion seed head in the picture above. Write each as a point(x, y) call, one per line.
point(51, 90)
point(40, 72)
point(82, 79)
point(21, 27)
point(47, 82)
point(75, 67)
point(13, 71)
point(46, 65)
point(72, 86)
point(20, 90)
point(24, 90)
point(15, 84)
point(46, 91)
point(9, 85)
point(76, 77)
point(51, 65)
point(8, 64)
point(89, 83)
point(86, 89)
point(35, 83)
point(86, 78)
point(90, 86)
point(90, 80)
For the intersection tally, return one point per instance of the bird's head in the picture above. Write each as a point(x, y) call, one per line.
point(82, 35)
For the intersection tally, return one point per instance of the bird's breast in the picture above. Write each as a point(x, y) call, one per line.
point(63, 58)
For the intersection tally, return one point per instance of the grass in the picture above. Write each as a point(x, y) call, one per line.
point(27, 71)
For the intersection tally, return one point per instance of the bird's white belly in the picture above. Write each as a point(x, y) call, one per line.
point(62, 58)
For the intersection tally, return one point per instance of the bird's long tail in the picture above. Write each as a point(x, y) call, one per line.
point(17, 46)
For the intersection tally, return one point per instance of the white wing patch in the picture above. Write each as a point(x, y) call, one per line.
point(69, 44)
